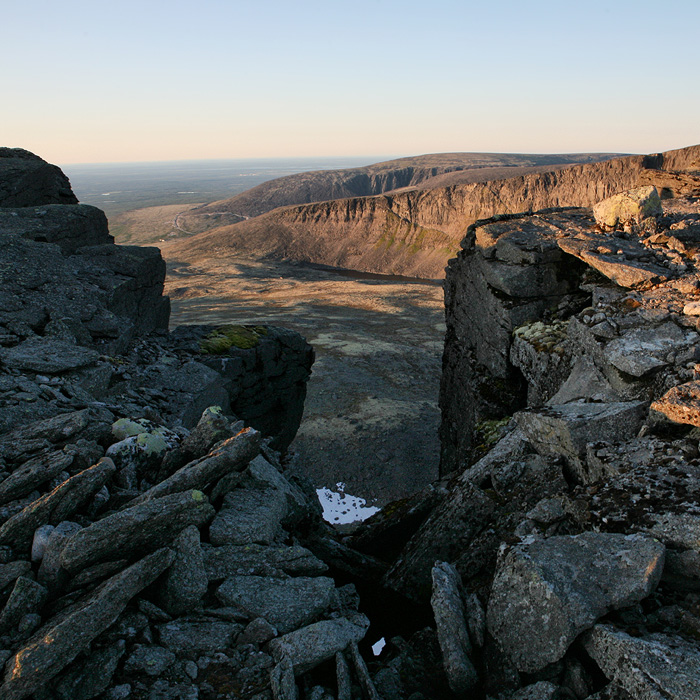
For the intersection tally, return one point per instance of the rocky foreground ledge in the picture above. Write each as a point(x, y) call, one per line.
point(157, 548)
point(567, 529)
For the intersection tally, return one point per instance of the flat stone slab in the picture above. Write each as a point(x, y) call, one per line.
point(643, 350)
point(249, 516)
point(655, 667)
point(284, 603)
point(198, 636)
point(565, 430)
point(546, 593)
point(634, 265)
point(312, 645)
point(260, 560)
point(681, 404)
point(48, 356)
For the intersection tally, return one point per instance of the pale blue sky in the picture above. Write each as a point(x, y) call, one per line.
point(154, 80)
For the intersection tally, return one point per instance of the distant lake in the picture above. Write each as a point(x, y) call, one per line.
point(118, 187)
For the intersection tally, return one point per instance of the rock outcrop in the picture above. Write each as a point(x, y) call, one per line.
point(569, 507)
point(415, 232)
point(151, 545)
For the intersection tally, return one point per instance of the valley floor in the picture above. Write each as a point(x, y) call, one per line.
point(371, 415)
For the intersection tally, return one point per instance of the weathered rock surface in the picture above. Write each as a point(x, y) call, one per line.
point(57, 644)
point(649, 668)
point(286, 604)
point(546, 593)
point(309, 646)
point(142, 527)
point(27, 180)
point(628, 208)
point(453, 635)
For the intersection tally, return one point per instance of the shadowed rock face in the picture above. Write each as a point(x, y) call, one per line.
point(27, 180)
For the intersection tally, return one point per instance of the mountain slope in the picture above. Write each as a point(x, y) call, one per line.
point(426, 171)
point(415, 232)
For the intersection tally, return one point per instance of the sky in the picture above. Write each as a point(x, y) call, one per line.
point(127, 81)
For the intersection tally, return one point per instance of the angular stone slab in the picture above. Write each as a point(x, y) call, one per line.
point(70, 227)
point(546, 593)
point(58, 505)
point(249, 516)
point(48, 356)
point(259, 560)
point(33, 473)
point(624, 269)
point(232, 455)
point(198, 636)
point(452, 632)
point(654, 667)
point(27, 597)
point(56, 644)
point(12, 571)
point(681, 404)
point(142, 527)
point(643, 350)
point(312, 645)
point(284, 603)
point(186, 581)
point(565, 430)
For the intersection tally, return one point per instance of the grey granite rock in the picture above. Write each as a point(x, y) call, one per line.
point(58, 505)
point(93, 675)
point(69, 227)
point(196, 637)
point(27, 597)
point(48, 356)
point(309, 646)
point(33, 473)
point(260, 560)
point(549, 591)
point(26, 180)
point(151, 660)
point(186, 581)
point(284, 603)
point(232, 455)
point(653, 667)
point(49, 570)
point(145, 526)
point(249, 516)
point(566, 430)
point(11, 571)
point(61, 640)
point(451, 625)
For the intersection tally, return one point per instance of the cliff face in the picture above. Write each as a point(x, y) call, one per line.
point(414, 233)
point(75, 308)
point(426, 170)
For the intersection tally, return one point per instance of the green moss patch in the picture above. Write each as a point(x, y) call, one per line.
point(224, 338)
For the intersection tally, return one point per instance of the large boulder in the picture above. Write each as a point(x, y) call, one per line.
point(546, 593)
point(653, 667)
point(629, 208)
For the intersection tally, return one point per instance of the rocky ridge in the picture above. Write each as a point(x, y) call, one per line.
point(561, 544)
point(140, 519)
point(415, 232)
point(151, 549)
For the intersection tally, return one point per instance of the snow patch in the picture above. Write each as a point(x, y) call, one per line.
point(342, 508)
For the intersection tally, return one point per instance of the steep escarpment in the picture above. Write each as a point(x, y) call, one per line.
point(426, 170)
point(414, 233)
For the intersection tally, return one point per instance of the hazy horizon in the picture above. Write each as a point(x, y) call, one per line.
point(223, 79)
